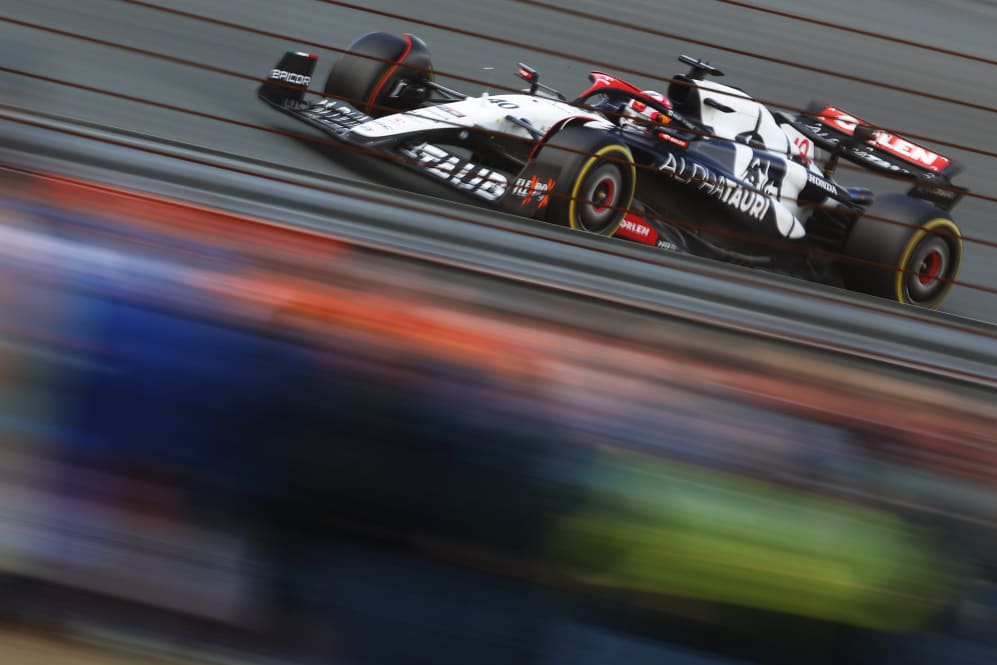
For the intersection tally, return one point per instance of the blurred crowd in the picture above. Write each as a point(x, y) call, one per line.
point(244, 437)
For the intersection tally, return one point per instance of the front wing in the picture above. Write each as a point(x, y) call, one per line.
point(525, 193)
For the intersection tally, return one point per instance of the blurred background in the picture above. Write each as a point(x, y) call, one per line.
point(255, 408)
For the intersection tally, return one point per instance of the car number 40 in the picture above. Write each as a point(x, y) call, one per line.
point(502, 103)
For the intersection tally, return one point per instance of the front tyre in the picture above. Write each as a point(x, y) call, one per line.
point(597, 180)
point(371, 73)
point(914, 261)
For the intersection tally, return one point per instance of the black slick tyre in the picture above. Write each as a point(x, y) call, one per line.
point(374, 65)
point(912, 258)
point(597, 180)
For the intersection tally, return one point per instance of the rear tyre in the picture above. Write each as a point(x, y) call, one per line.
point(914, 261)
point(370, 73)
point(596, 183)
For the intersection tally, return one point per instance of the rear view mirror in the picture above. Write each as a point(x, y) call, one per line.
point(529, 75)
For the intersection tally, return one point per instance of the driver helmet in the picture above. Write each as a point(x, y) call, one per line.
point(638, 114)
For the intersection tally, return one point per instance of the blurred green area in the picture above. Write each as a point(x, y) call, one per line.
point(652, 527)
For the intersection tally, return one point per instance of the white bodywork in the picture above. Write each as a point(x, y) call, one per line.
point(486, 112)
point(749, 117)
point(491, 113)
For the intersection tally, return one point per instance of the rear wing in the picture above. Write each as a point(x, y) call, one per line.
point(834, 130)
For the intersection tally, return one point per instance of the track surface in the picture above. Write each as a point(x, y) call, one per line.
point(963, 25)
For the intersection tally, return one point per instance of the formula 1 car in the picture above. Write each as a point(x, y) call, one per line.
point(703, 169)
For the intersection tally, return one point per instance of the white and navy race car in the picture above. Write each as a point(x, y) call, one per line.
point(703, 168)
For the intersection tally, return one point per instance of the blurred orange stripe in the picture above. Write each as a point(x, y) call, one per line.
point(176, 218)
point(408, 325)
point(273, 294)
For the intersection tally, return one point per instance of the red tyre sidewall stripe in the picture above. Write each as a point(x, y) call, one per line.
point(387, 74)
point(555, 128)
